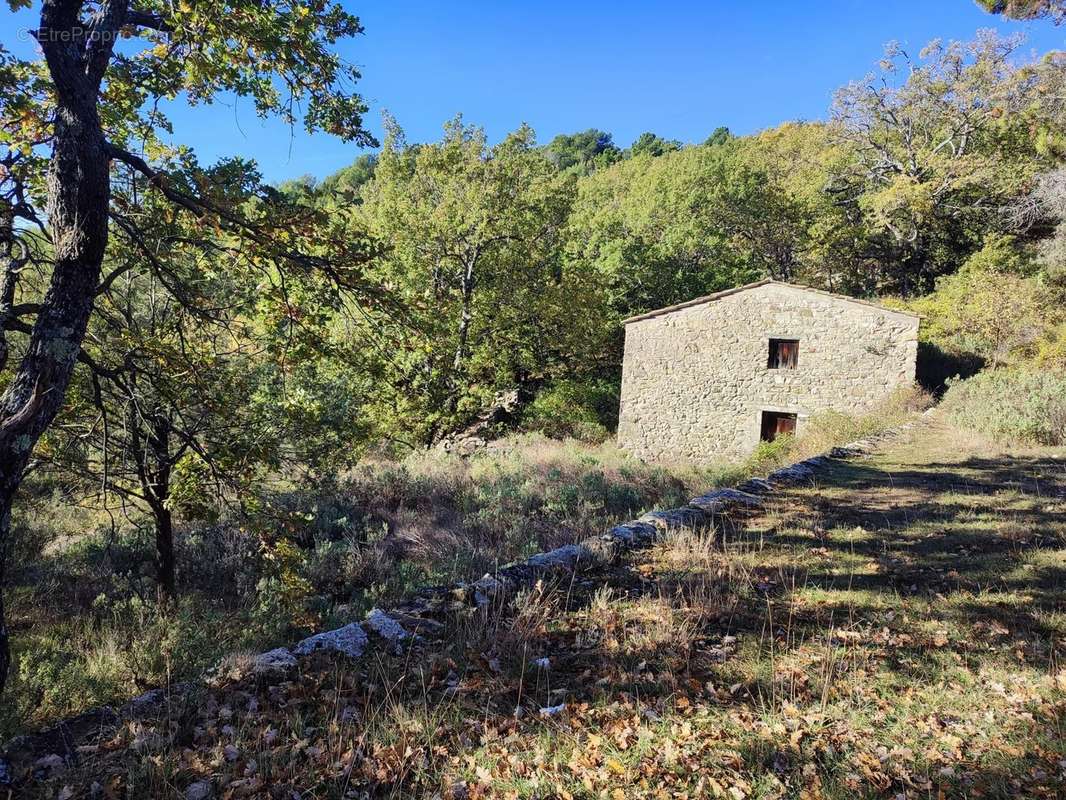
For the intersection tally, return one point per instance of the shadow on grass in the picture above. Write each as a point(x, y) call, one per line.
point(947, 548)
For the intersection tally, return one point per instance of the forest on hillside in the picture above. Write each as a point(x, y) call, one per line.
point(201, 399)
point(937, 182)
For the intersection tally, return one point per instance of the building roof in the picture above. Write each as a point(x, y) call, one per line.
point(765, 282)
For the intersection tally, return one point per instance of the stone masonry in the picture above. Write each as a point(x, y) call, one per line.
point(696, 379)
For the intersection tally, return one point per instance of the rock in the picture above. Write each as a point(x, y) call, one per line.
point(200, 790)
point(565, 557)
point(721, 499)
point(143, 702)
point(50, 764)
point(687, 517)
point(486, 588)
point(793, 474)
point(351, 640)
point(387, 628)
point(755, 486)
point(416, 624)
point(273, 662)
point(632, 534)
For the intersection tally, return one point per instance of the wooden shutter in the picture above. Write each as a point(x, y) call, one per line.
point(784, 354)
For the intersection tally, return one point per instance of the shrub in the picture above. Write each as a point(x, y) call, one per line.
point(126, 646)
point(996, 308)
point(832, 428)
point(1022, 406)
point(586, 411)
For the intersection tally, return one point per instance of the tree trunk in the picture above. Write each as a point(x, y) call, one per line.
point(465, 315)
point(164, 548)
point(158, 493)
point(10, 265)
point(5, 644)
point(78, 197)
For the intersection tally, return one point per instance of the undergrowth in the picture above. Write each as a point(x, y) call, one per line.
point(893, 632)
point(83, 604)
point(1011, 406)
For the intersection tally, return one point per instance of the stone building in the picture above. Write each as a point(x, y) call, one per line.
point(707, 379)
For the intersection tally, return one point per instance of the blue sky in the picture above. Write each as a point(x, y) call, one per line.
point(677, 68)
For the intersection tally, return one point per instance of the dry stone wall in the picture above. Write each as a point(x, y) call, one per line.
point(695, 380)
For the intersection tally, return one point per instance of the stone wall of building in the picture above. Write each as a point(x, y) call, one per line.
point(695, 380)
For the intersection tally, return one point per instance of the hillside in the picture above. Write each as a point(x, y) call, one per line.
point(893, 630)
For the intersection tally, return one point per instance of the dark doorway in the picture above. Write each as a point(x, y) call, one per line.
point(776, 423)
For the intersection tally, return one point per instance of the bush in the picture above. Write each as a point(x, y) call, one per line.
point(831, 429)
point(1023, 406)
point(586, 411)
point(997, 308)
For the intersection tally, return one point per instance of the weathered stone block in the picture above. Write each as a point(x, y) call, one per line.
point(351, 640)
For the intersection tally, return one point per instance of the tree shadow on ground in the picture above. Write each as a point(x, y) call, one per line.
point(651, 642)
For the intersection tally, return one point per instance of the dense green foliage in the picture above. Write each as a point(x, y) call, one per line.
point(473, 241)
point(515, 264)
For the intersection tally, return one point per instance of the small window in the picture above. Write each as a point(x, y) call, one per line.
point(784, 354)
point(776, 423)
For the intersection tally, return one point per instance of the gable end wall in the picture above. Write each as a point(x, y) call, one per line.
point(695, 380)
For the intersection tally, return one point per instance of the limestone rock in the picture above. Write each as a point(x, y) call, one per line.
point(633, 534)
point(565, 557)
point(755, 486)
point(687, 517)
point(722, 499)
point(793, 474)
point(387, 628)
point(274, 661)
point(351, 640)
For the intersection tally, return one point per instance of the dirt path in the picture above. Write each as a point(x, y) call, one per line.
point(895, 631)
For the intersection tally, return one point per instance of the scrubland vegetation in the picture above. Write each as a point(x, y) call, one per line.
point(94, 633)
point(894, 630)
point(86, 601)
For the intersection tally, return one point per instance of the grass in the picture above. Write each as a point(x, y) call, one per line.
point(895, 631)
point(86, 629)
point(81, 604)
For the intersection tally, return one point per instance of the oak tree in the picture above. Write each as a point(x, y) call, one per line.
point(88, 105)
